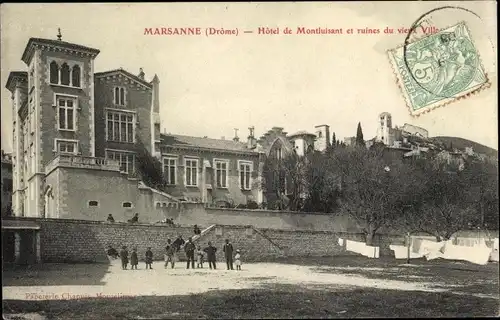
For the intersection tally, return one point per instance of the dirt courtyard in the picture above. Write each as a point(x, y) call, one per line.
point(354, 287)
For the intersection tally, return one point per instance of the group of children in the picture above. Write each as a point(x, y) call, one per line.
point(134, 260)
point(170, 256)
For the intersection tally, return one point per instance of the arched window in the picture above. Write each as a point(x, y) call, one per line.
point(75, 76)
point(65, 74)
point(122, 96)
point(54, 72)
point(117, 95)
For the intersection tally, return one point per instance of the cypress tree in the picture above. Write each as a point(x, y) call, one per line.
point(360, 141)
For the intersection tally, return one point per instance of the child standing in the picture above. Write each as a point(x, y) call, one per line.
point(124, 257)
point(199, 254)
point(149, 258)
point(134, 261)
point(169, 254)
point(237, 259)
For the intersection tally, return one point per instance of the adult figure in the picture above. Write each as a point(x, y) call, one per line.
point(124, 257)
point(149, 258)
point(189, 248)
point(135, 218)
point(169, 254)
point(110, 218)
point(178, 243)
point(228, 252)
point(210, 250)
point(196, 230)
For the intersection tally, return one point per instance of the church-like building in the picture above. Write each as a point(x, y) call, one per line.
point(75, 137)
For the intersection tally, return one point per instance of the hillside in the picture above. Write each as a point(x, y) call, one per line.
point(460, 143)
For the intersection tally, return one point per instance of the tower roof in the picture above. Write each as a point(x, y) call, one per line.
point(14, 77)
point(57, 45)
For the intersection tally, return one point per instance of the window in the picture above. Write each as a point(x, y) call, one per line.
point(66, 112)
point(126, 160)
point(120, 127)
point(169, 170)
point(7, 185)
point(66, 146)
point(279, 154)
point(65, 74)
point(191, 172)
point(54, 73)
point(245, 170)
point(75, 76)
point(221, 167)
point(120, 96)
point(127, 204)
point(93, 203)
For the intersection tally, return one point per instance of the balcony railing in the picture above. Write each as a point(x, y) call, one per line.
point(72, 161)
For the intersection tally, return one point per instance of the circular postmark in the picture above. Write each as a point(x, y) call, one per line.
point(440, 54)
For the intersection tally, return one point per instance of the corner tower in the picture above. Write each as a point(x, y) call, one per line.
point(57, 116)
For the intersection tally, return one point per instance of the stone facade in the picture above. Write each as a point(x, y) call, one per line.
point(211, 184)
point(61, 107)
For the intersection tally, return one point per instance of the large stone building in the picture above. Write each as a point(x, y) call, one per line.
point(75, 138)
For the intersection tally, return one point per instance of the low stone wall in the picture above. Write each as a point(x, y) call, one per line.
point(64, 240)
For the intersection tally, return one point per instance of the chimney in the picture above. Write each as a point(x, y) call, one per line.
point(236, 139)
point(156, 93)
point(251, 141)
point(141, 74)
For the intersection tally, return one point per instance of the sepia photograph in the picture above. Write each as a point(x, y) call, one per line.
point(257, 160)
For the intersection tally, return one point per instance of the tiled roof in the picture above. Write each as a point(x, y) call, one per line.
point(126, 73)
point(203, 143)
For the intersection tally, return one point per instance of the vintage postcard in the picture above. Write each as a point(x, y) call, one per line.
point(249, 160)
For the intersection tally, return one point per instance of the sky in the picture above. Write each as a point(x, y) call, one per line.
point(211, 85)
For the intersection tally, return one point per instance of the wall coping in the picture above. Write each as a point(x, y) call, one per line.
point(125, 224)
point(94, 222)
point(272, 211)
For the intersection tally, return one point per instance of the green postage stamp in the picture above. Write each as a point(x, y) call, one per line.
point(438, 69)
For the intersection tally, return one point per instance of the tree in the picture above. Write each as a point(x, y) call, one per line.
point(334, 140)
point(372, 192)
point(284, 179)
point(482, 179)
point(360, 141)
point(323, 185)
point(447, 200)
point(149, 168)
